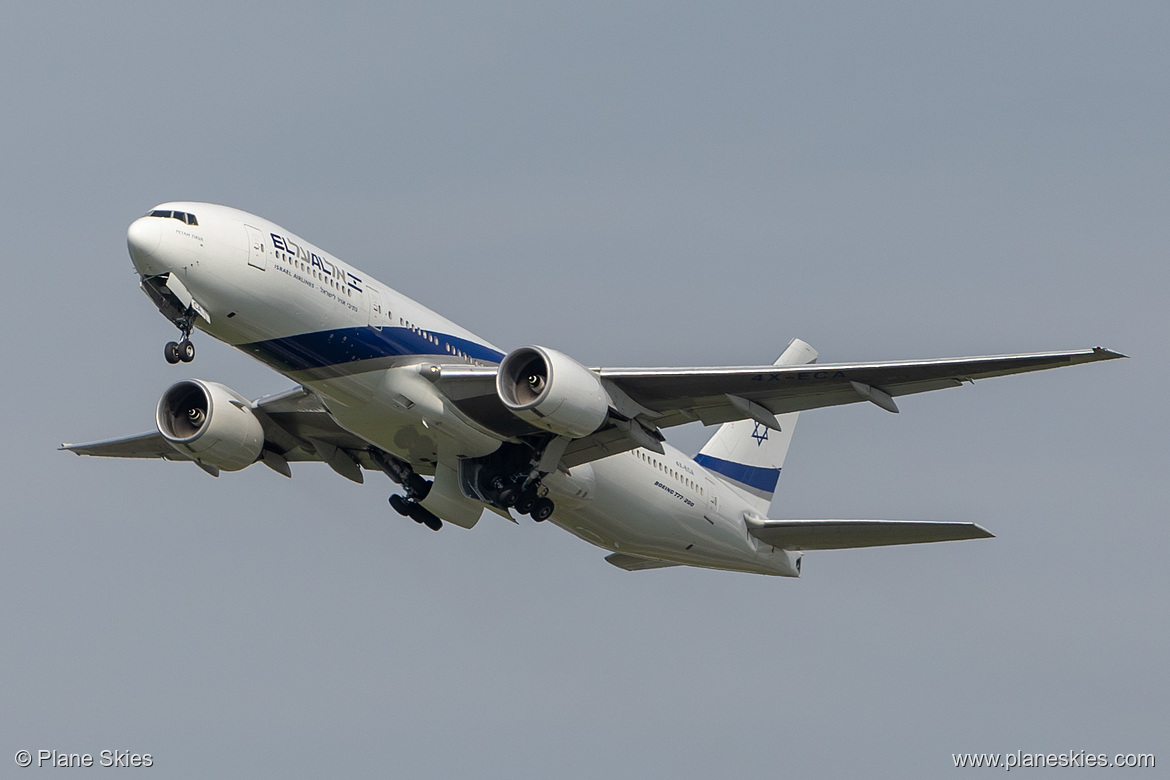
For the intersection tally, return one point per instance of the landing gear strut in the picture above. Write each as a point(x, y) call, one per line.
point(182, 350)
point(415, 487)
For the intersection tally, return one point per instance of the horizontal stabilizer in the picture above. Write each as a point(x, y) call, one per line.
point(637, 562)
point(845, 534)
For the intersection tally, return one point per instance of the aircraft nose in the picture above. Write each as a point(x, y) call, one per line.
point(142, 239)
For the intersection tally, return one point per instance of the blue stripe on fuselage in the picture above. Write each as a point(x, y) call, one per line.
point(752, 476)
point(345, 345)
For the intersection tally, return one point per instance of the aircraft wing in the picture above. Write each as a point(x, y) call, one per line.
point(145, 445)
point(686, 394)
point(650, 399)
point(296, 425)
point(846, 534)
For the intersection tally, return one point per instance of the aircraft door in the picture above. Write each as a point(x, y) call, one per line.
point(378, 314)
point(256, 255)
point(712, 512)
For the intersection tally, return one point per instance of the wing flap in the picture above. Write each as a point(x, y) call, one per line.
point(847, 534)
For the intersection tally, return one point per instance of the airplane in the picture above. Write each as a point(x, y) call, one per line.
point(385, 384)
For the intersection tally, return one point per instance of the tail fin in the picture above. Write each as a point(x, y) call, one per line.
point(746, 454)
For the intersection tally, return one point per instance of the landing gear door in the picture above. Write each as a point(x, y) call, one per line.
point(256, 255)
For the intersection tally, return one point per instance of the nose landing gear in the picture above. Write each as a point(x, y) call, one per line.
point(183, 350)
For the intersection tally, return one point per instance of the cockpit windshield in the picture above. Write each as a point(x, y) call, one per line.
point(182, 216)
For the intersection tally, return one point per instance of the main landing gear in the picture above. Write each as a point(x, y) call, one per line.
point(183, 350)
point(510, 478)
point(415, 487)
point(415, 511)
point(525, 499)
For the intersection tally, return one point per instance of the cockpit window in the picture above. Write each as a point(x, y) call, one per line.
point(182, 216)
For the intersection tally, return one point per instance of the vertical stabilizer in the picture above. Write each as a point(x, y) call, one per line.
point(747, 454)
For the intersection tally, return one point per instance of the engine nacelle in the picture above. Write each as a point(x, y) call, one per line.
point(552, 391)
point(211, 423)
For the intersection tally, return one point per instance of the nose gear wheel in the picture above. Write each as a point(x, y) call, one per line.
point(183, 351)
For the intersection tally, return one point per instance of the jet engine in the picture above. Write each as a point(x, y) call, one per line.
point(552, 391)
point(210, 423)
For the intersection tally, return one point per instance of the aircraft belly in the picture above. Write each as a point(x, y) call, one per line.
point(631, 512)
point(573, 489)
point(401, 412)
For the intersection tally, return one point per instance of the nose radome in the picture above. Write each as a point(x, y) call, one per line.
point(142, 239)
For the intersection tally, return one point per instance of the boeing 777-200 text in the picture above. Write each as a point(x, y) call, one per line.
point(386, 384)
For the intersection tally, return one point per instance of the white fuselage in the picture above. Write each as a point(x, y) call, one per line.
point(314, 319)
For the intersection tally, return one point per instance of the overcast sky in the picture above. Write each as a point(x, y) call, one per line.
point(633, 184)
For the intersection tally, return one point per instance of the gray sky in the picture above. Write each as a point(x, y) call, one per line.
point(633, 184)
